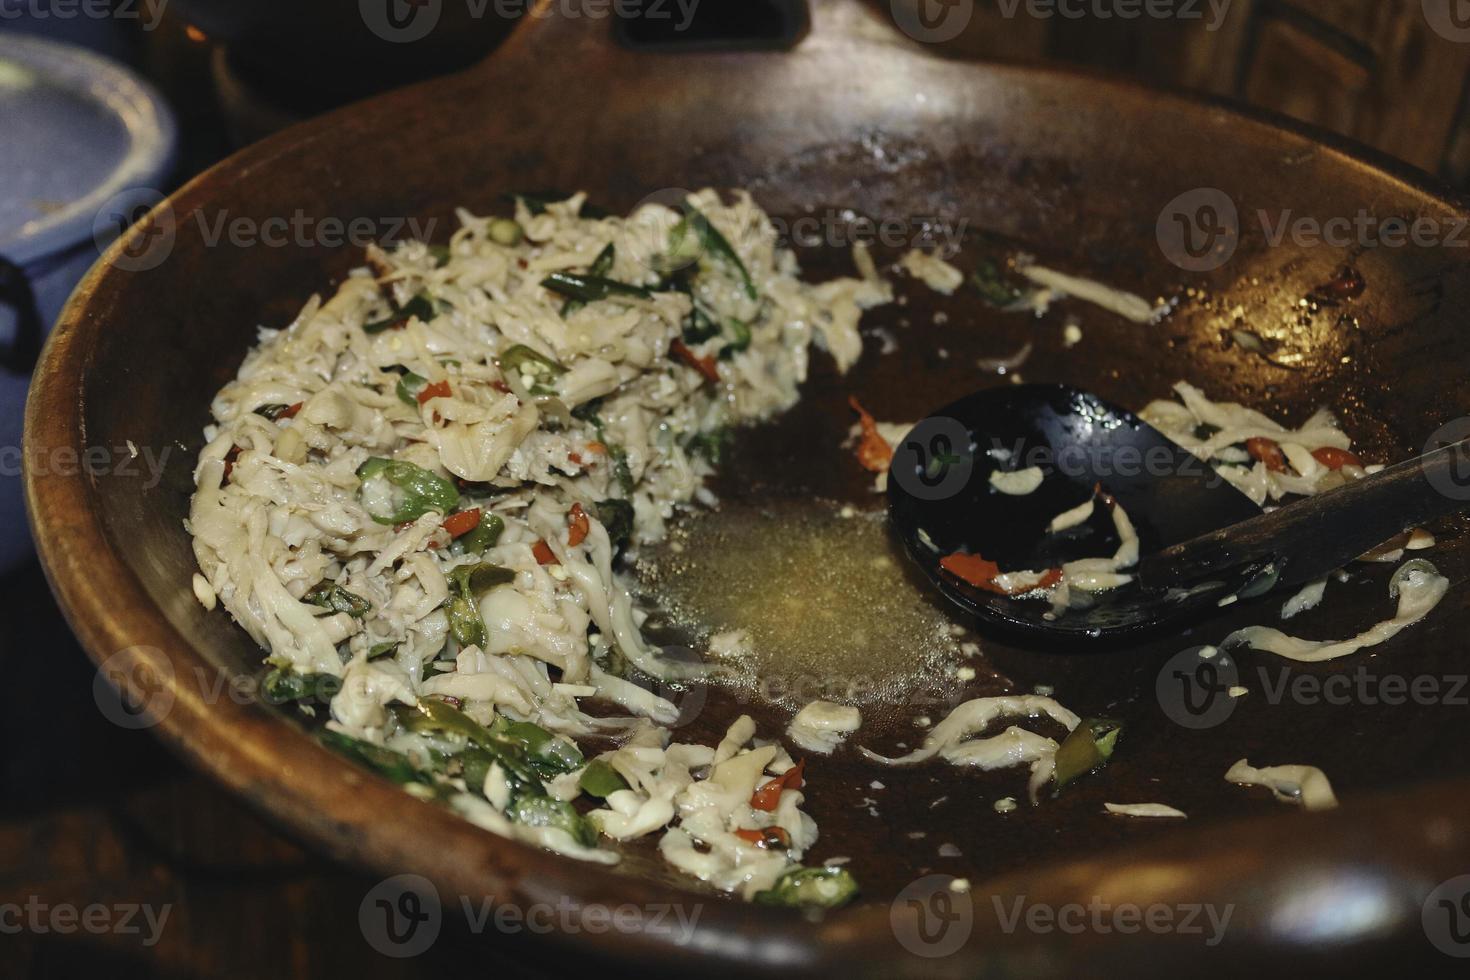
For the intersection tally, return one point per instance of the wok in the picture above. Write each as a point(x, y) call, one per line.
point(1075, 167)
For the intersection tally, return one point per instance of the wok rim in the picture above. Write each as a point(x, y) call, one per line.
point(285, 775)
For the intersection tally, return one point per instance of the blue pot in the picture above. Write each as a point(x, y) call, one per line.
point(84, 139)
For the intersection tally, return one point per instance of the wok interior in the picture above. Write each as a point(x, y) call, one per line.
point(1073, 170)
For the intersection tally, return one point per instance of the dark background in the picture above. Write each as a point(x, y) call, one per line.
point(92, 813)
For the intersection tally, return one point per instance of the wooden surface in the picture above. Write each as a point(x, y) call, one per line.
point(94, 814)
point(1374, 70)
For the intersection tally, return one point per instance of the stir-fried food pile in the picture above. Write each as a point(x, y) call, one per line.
point(412, 498)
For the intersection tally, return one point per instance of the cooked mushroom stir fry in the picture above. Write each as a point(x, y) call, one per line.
point(413, 495)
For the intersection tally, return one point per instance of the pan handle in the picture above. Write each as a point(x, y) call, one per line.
point(717, 25)
point(574, 36)
point(551, 28)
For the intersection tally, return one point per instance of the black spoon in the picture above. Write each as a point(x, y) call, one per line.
point(1203, 543)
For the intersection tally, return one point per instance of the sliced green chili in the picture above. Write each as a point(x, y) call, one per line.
point(372, 466)
point(543, 811)
point(469, 581)
point(617, 517)
point(621, 469)
point(473, 580)
point(420, 306)
point(589, 289)
point(1087, 749)
point(550, 755)
point(423, 491)
point(281, 686)
point(992, 284)
point(409, 386)
point(601, 780)
point(481, 539)
point(465, 624)
point(329, 595)
point(700, 325)
point(525, 361)
point(440, 717)
point(715, 244)
point(826, 887)
point(588, 412)
point(385, 762)
point(599, 269)
point(712, 445)
point(739, 333)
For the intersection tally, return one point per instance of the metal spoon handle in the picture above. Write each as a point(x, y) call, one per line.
point(1307, 539)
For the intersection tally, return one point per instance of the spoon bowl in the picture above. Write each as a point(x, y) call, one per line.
point(942, 500)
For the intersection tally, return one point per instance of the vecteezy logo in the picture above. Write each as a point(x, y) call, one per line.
point(1194, 686)
point(401, 21)
point(1446, 917)
point(931, 919)
point(935, 459)
point(130, 691)
point(1199, 230)
point(1450, 477)
point(1449, 18)
point(148, 245)
point(401, 916)
point(932, 21)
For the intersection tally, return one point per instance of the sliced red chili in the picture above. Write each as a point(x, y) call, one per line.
point(704, 365)
point(873, 452)
point(974, 569)
point(768, 837)
point(577, 525)
point(982, 573)
point(230, 458)
point(768, 796)
point(439, 389)
point(290, 411)
point(544, 554)
point(462, 523)
point(1335, 459)
point(1267, 451)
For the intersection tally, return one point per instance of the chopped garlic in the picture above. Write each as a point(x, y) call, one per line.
point(1418, 594)
point(822, 726)
point(1308, 598)
point(932, 271)
point(204, 592)
point(1304, 785)
point(1127, 305)
point(1017, 483)
point(1143, 810)
point(1071, 518)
